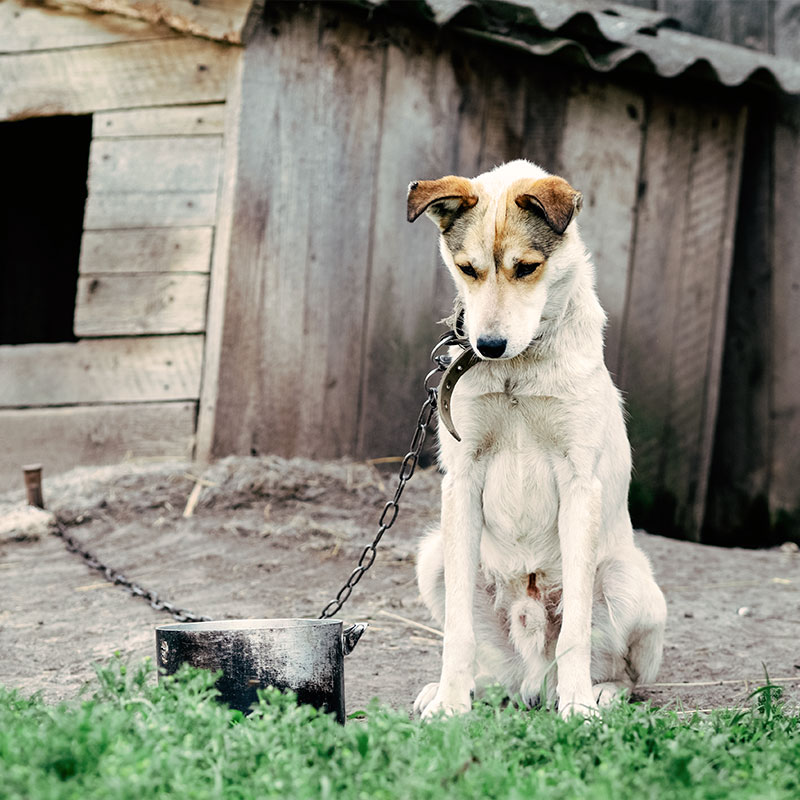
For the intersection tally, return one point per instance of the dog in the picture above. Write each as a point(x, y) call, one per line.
point(533, 573)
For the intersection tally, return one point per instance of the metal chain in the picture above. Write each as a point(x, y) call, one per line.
point(385, 521)
point(115, 577)
point(407, 467)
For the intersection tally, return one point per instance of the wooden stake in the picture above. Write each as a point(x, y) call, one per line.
point(33, 484)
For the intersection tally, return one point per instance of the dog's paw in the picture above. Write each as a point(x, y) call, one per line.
point(432, 701)
point(424, 697)
point(577, 704)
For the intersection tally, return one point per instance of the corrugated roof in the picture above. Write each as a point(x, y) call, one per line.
point(606, 36)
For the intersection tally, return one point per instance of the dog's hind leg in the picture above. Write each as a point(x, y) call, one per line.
point(430, 574)
point(629, 625)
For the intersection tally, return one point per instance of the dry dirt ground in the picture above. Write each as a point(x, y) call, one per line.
point(276, 538)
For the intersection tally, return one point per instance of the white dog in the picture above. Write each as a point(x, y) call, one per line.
point(534, 573)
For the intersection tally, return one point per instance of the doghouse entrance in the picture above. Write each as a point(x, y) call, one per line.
point(45, 164)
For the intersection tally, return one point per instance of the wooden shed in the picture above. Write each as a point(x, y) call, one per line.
point(246, 281)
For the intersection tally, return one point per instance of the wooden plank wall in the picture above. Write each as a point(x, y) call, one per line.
point(291, 346)
point(332, 298)
point(52, 62)
point(753, 496)
point(128, 74)
point(150, 212)
point(130, 385)
point(784, 490)
point(141, 299)
point(675, 316)
point(391, 110)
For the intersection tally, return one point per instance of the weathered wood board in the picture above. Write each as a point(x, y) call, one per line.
point(194, 120)
point(600, 154)
point(25, 27)
point(672, 329)
point(63, 438)
point(120, 370)
point(186, 164)
point(785, 384)
point(737, 510)
point(226, 20)
point(149, 210)
point(146, 250)
point(169, 71)
point(504, 91)
point(650, 318)
point(109, 305)
point(290, 363)
point(402, 304)
point(711, 201)
point(743, 506)
point(221, 266)
point(784, 493)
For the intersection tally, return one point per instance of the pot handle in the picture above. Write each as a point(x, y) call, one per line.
point(351, 635)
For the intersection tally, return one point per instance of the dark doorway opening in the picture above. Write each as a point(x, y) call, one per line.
point(44, 164)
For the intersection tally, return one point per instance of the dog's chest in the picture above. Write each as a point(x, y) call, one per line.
point(514, 444)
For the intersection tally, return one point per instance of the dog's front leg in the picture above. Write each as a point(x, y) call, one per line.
point(578, 525)
point(462, 523)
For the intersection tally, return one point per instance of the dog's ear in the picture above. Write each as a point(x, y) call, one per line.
point(443, 199)
point(551, 197)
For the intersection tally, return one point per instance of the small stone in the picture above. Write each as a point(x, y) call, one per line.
point(790, 547)
point(688, 615)
point(745, 611)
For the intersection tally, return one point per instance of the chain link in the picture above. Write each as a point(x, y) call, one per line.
point(407, 467)
point(117, 578)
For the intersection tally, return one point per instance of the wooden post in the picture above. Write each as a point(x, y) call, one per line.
point(33, 484)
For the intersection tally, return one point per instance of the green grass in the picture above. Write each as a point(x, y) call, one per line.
point(134, 739)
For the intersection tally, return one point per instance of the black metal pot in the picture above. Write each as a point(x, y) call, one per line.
point(304, 655)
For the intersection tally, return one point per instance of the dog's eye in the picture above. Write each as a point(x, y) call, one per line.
point(468, 269)
point(524, 268)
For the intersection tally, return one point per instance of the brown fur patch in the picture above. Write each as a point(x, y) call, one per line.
point(486, 445)
point(552, 196)
point(422, 194)
point(552, 609)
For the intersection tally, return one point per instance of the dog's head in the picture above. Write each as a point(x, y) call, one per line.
point(504, 236)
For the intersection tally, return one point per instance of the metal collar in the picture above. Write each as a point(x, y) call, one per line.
point(451, 376)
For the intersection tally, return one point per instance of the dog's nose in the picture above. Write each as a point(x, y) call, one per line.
point(491, 347)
